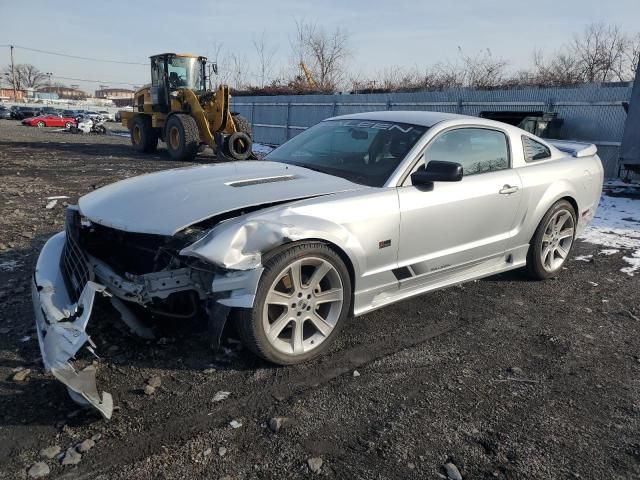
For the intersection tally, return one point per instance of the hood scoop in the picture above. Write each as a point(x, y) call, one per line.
point(260, 181)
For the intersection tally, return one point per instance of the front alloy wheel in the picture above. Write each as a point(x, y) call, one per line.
point(301, 311)
point(302, 300)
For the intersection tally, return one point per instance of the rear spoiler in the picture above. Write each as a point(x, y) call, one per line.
point(575, 149)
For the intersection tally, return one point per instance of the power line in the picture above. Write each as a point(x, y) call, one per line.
point(77, 57)
point(106, 82)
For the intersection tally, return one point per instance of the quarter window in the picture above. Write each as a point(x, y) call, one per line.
point(478, 150)
point(534, 150)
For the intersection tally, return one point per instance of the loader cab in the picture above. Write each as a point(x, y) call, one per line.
point(170, 71)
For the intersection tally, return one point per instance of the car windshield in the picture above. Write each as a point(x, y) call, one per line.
point(362, 151)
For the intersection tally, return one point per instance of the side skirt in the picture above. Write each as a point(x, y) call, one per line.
point(514, 259)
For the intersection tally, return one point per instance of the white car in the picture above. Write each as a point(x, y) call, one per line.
point(106, 116)
point(353, 214)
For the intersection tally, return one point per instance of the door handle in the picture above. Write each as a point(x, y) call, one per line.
point(508, 189)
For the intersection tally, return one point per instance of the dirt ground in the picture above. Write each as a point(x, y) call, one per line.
point(505, 378)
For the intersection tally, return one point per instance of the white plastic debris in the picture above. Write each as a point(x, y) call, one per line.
point(219, 396)
point(51, 204)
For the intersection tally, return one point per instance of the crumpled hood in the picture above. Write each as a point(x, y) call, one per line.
point(166, 202)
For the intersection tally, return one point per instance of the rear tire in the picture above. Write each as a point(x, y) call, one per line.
point(314, 307)
point(552, 242)
point(242, 124)
point(182, 137)
point(143, 136)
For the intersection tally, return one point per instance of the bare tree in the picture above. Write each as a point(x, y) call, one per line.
point(219, 56)
point(30, 76)
point(560, 69)
point(323, 53)
point(13, 78)
point(265, 54)
point(633, 54)
point(600, 51)
point(482, 70)
point(239, 73)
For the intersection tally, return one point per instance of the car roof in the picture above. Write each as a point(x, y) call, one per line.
point(426, 119)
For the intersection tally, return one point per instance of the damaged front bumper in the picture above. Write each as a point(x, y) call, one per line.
point(61, 326)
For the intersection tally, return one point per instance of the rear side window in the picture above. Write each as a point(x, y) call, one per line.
point(534, 150)
point(478, 150)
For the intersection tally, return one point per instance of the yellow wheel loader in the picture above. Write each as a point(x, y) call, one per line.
point(178, 109)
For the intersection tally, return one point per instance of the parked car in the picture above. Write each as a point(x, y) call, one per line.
point(106, 116)
point(355, 213)
point(49, 121)
point(95, 116)
point(69, 113)
point(5, 113)
point(20, 113)
point(48, 110)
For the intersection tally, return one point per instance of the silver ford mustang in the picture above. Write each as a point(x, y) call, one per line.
point(353, 214)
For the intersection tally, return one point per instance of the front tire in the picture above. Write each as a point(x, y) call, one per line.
point(143, 136)
point(182, 137)
point(552, 242)
point(40, 125)
point(301, 303)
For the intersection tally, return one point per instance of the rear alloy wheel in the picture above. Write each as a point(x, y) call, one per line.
point(301, 303)
point(182, 137)
point(40, 124)
point(68, 125)
point(144, 137)
point(552, 242)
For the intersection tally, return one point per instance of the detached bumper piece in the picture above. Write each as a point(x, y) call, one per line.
point(61, 322)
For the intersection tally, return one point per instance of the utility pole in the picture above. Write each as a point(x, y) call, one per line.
point(13, 76)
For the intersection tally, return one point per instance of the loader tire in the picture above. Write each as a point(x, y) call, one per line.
point(242, 124)
point(238, 146)
point(182, 137)
point(143, 136)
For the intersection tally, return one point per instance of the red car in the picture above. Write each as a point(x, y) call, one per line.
point(49, 121)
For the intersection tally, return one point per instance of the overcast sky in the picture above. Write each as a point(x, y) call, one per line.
point(384, 33)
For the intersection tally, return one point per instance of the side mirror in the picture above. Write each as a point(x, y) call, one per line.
point(437, 171)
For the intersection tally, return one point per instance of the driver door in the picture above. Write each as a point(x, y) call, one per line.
point(459, 226)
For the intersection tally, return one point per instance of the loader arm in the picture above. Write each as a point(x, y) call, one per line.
point(214, 116)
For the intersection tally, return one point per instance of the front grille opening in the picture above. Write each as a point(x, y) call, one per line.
point(73, 263)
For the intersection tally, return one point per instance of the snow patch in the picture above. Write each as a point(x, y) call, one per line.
point(261, 149)
point(616, 225)
point(583, 258)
